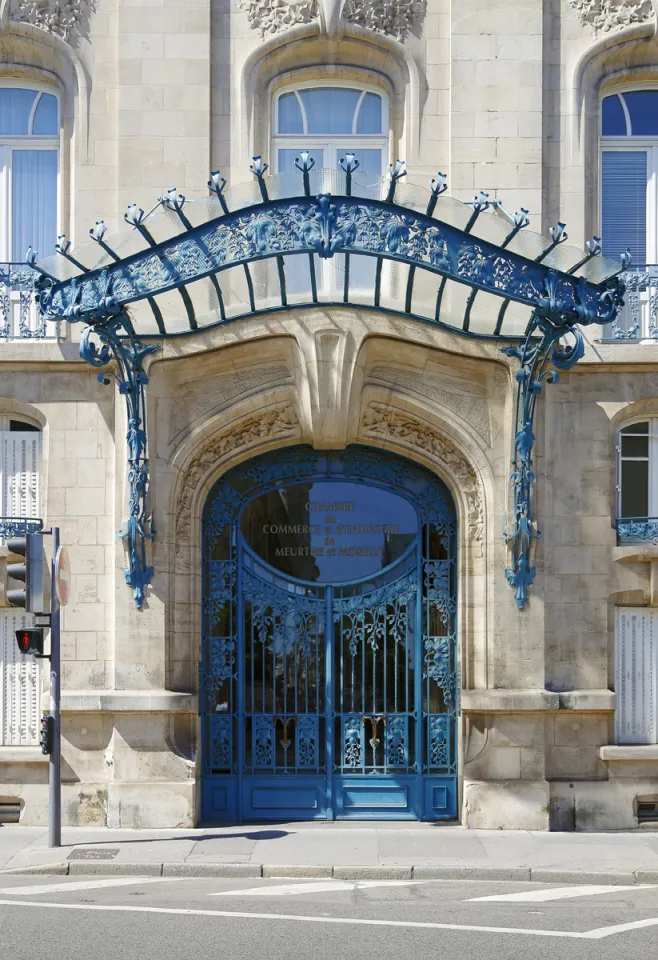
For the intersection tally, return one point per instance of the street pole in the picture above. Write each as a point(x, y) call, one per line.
point(54, 765)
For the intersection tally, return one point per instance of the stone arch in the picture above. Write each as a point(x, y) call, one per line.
point(354, 49)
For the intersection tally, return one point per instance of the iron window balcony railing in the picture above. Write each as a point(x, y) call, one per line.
point(638, 318)
point(634, 530)
point(20, 317)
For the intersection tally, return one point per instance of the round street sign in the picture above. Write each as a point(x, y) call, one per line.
point(63, 576)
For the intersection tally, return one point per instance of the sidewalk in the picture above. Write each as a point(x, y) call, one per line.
point(339, 849)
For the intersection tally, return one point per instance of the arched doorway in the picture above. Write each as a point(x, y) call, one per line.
point(328, 682)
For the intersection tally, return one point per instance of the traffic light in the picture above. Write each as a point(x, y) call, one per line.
point(47, 735)
point(30, 640)
point(33, 597)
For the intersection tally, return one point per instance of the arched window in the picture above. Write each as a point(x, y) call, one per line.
point(329, 120)
point(29, 148)
point(629, 165)
point(20, 470)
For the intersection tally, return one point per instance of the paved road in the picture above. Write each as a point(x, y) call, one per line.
point(131, 918)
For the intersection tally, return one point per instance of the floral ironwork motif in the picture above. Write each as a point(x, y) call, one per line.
point(18, 301)
point(438, 587)
point(283, 623)
point(396, 741)
point(637, 530)
point(367, 618)
point(439, 735)
point(63, 18)
point(221, 741)
point(119, 344)
point(263, 741)
point(639, 318)
point(606, 15)
point(438, 665)
point(353, 742)
point(306, 739)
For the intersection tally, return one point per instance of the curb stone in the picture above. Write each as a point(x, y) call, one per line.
point(382, 872)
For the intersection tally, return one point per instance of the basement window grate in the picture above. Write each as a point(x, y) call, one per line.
point(10, 810)
point(647, 811)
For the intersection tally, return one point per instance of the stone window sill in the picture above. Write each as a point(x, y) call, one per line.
point(22, 755)
point(126, 701)
point(629, 752)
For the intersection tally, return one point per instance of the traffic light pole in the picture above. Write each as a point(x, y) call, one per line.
point(54, 765)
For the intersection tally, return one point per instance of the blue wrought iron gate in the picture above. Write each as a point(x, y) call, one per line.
point(324, 695)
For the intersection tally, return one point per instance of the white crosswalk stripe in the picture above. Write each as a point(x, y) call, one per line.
point(558, 893)
point(75, 885)
point(320, 886)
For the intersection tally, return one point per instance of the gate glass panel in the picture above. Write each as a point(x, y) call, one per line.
point(328, 680)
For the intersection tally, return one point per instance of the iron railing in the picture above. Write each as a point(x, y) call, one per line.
point(638, 318)
point(637, 530)
point(20, 317)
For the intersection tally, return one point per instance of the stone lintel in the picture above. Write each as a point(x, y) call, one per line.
point(629, 752)
point(22, 755)
point(524, 701)
point(127, 701)
point(635, 553)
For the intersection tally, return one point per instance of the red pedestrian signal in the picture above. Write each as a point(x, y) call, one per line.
point(30, 641)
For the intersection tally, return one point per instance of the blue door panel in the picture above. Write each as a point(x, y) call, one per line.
point(439, 798)
point(380, 798)
point(219, 799)
point(290, 797)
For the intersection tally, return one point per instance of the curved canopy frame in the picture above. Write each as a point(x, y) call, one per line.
point(187, 266)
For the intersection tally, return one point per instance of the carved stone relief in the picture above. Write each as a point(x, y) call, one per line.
point(468, 400)
point(383, 422)
point(605, 15)
point(397, 18)
point(278, 421)
point(207, 396)
point(63, 18)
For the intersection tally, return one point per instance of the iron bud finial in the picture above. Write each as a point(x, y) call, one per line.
point(397, 172)
point(173, 200)
point(134, 216)
point(31, 257)
point(307, 162)
point(626, 258)
point(349, 163)
point(481, 202)
point(216, 183)
point(593, 246)
point(258, 168)
point(521, 219)
point(63, 245)
point(439, 185)
point(98, 232)
point(559, 233)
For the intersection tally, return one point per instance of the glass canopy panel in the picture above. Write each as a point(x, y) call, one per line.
point(15, 108)
point(45, 116)
point(642, 107)
point(613, 118)
point(329, 110)
point(329, 531)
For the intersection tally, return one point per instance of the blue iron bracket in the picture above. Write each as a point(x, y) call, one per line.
point(99, 345)
point(19, 526)
point(552, 343)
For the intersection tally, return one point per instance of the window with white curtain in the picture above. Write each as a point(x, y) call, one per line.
point(29, 160)
point(637, 470)
point(20, 471)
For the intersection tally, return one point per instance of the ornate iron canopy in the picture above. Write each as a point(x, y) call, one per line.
point(331, 237)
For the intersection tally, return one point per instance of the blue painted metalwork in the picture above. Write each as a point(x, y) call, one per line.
point(128, 354)
point(18, 526)
point(327, 225)
point(19, 316)
point(322, 700)
point(637, 530)
point(639, 318)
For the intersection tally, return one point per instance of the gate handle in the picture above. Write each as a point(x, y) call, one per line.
point(374, 724)
point(285, 721)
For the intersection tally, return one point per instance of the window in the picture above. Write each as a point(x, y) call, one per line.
point(20, 469)
point(330, 121)
point(637, 473)
point(629, 163)
point(29, 143)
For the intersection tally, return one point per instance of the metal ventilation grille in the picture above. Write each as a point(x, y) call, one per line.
point(10, 809)
point(647, 810)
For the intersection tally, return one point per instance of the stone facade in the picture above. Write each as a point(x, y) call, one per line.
point(502, 95)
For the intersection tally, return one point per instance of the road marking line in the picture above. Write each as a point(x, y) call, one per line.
point(558, 893)
point(320, 886)
point(597, 934)
point(82, 885)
